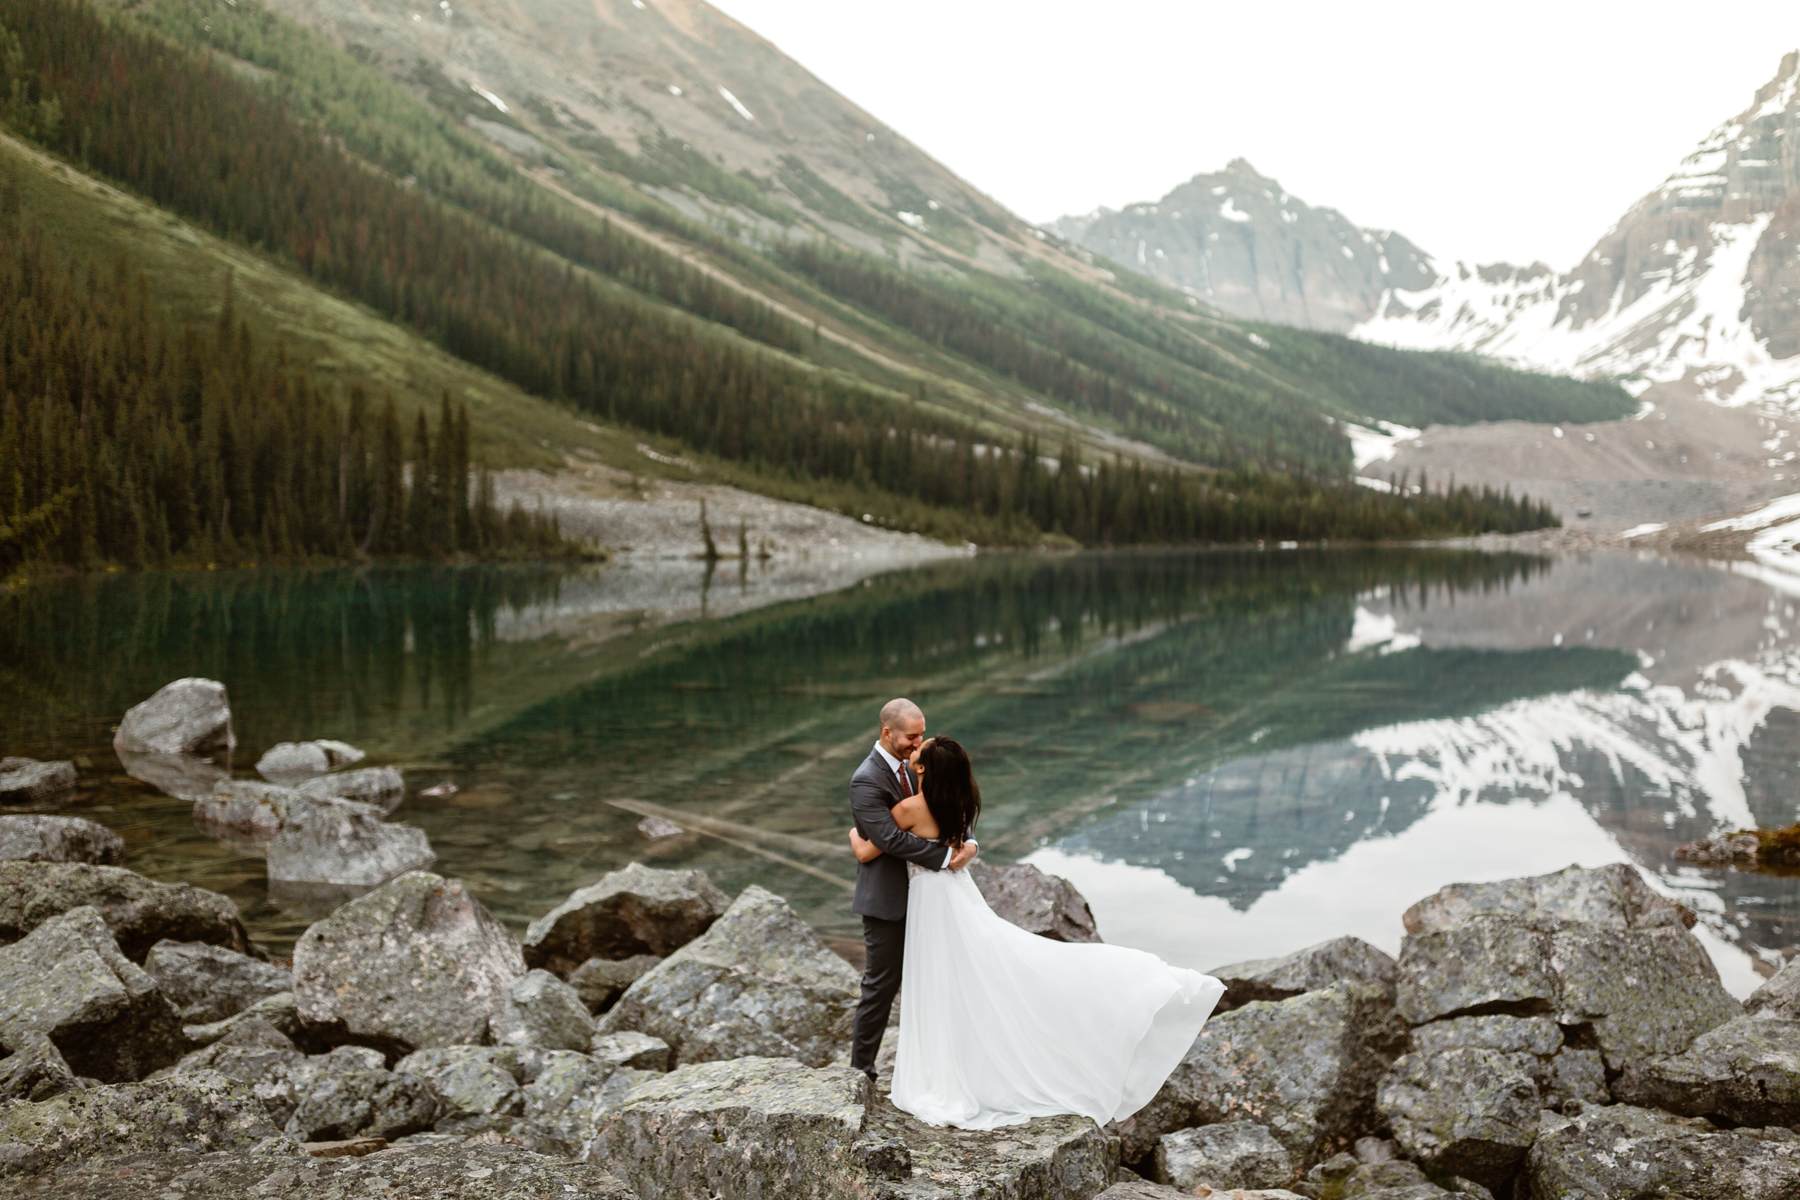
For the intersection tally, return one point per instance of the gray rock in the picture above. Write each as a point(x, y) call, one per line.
point(68, 981)
point(568, 1093)
point(35, 1070)
point(1586, 947)
point(197, 1112)
point(1035, 900)
point(279, 1010)
point(1744, 1072)
point(28, 781)
point(471, 1081)
point(1307, 1068)
point(1621, 1150)
point(208, 983)
point(183, 776)
point(383, 787)
point(257, 811)
point(1142, 1189)
point(348, 1095)
point(417, 962)
point(658, 828)
point(1561, 1072)
point(1052, 1158)
point(631, 1049)
point(188, 716)
point(254, 1053)
point(292, 762)
point(343, 843)
point(541, 1010)
point(634, 910)
point(1464, 1111)
point(758, 982)
point(1232, 1154)
point(32, 837)
point(1347, 1178)
point(440, 1168)
point(751, 1127)
point(139, 912)
point(601, 981)
point(1339, 960)
point(1780, 995)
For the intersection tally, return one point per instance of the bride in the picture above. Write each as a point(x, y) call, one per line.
point(999, 1025)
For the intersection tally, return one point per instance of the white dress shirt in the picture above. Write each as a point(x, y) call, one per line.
point(894, 770)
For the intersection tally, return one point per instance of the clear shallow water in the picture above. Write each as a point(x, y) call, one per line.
point(1232, 755)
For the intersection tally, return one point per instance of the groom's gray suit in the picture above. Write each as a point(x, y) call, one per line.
point(880, 898)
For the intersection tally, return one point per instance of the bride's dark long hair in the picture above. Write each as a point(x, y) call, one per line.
point(950, 789)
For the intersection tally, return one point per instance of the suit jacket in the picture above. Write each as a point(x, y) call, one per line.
point(881, 882)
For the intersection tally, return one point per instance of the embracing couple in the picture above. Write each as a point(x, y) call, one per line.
point(997, 1025)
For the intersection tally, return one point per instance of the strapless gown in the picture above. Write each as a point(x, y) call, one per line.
point(998, 1025)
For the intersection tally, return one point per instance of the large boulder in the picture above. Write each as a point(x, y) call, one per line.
point(417, 962)
point(255, 1053)
point(1563, 1070)
point(1780, 995)
point(1306, 1068)
point(32, 837)
point(758, 982)
point(35, 1070)
point(1744, 1072)
point(601, 981)
point(208, 983)
point(1231, 1154)
point(68, 981)
point(443, 1169)
point(1051, 1158)
point(1035, 900)
point(1339, 960)
point(1589, 947)
point(748, 1128)
point(567, 1094)
point(1467, 1111)
point(28, 781)
point(179, 1114)
point(1623, 1150)
point(348, 1093)
point(346, 844)
point(471, 1081)
point(139, 911)
point(541, 1010)
point(292, 762)
point(383, 787)
point(189, 716)
point(634, 910)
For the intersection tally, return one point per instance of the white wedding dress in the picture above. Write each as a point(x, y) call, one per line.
point(998, 1025)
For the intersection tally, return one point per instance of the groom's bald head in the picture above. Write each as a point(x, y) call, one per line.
point(902, 727)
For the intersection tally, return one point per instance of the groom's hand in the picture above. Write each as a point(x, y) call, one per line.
point(965, 854)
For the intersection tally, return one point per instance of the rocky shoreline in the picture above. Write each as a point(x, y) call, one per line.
point(1557, 1037)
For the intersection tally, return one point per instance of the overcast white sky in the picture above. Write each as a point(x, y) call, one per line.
point(1513, 131)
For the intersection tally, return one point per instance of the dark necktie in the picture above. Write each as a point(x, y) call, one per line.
point(905, 780)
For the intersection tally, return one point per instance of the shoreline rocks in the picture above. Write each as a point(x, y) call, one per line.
point(632, 911)
point(139, 911)
point(34, 837)
point(28, 781)
point(187, 717)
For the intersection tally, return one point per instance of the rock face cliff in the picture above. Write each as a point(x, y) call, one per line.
point(1696, 284)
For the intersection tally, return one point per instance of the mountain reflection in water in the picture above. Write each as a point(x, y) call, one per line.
point(1232, 755)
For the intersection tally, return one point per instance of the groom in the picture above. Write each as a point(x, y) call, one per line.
point(881, 782)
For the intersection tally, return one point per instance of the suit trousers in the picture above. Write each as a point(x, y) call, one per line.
point(885, 944)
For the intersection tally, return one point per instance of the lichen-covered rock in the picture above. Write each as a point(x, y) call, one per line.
point(1051, 1158)
point(1744, 1072)
point(343, 843)
point(758, 982)
point(208, 983)
point(1340, 960)
point(68, 981)
point(293, 762)
point(1587, 947)
point(383, 787)
point(28, 781)
point(35, 1070)
point(139, 912)
point(1561, 1071)
point(1306, 1068)
point(1231, 1154)
point(1780, 995)
point(439, 1168)
point(634, 910)
point(601, 981)
point(566, 1094)
point(1465, 1110)
point(188, 716)
point(197, 1112)
point(417, 962)
point(1143, 1189)
point(1346, 1178)
point(541, 1010)
point(471, 1081)
point(631, 1049)
point(737, 1130)
point(279, 1010)
point(1034, 900)
point(34, 837)
point(348, 1094)
point(255, 1053)
point(258, 811)
point(1621, 1150)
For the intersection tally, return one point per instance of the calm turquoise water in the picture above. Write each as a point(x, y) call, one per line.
point(1232, 755)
